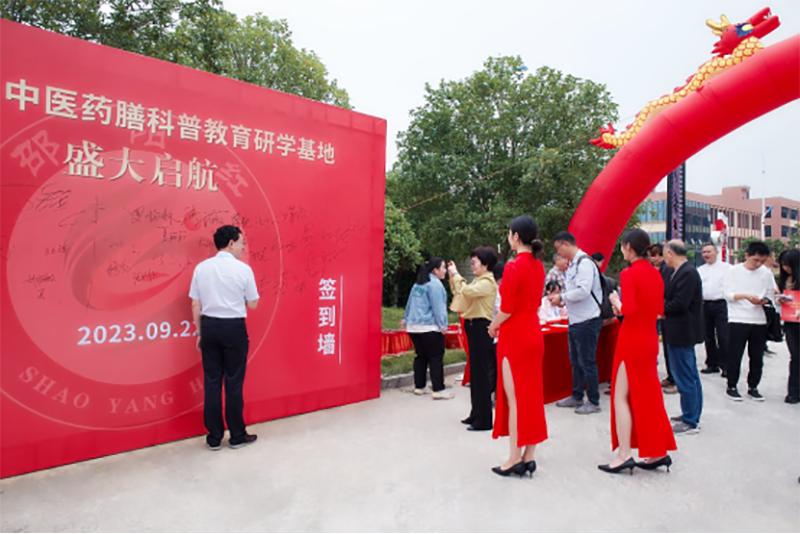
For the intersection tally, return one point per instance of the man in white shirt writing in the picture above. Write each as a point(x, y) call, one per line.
point(747, 289)
point(715, 310)
point(223, 287)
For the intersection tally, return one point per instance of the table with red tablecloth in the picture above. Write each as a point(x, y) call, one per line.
point(557, 368)
point(394, 342)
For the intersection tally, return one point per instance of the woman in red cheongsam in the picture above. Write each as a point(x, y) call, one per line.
point(638, 417)
point(520, 349)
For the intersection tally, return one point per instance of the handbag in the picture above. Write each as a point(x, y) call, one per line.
point(774, 330)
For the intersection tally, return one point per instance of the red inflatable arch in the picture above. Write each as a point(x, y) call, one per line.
point(765, 82)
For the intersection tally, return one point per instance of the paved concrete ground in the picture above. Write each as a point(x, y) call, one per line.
point(405, 463)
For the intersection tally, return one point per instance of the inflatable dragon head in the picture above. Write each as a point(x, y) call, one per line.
point(730, 35)
point(737, 42)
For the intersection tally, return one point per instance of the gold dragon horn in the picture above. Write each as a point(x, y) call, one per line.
point(718, 27)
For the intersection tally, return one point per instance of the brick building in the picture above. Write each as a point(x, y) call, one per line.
point(743, 213)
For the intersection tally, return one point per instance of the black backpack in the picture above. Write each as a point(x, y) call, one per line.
point(607, 286)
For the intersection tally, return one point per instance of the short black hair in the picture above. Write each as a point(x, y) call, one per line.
point(486, 255)
point(225, 234)
point(498, 269)
point(656, 249)
point(757, 248)
point(565, 236)
point(598, 257)
point(551, 285)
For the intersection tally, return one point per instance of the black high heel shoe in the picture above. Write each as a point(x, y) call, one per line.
point(627, 464)
point(516, 469)
point(666, 461)
point(530, 467)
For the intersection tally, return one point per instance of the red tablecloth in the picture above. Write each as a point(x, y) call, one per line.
point(397, 341)
point(557, 368)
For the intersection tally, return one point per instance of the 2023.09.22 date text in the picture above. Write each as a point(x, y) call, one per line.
point(127, 333)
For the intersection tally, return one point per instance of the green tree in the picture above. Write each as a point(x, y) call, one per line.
point(401, 252)
point(775, 245)
point(198, 33)
point(76, 18)
point(794, 239)
point(495, 145)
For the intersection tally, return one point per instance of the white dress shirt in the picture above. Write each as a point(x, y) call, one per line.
point(222, 284)
point(713, 277)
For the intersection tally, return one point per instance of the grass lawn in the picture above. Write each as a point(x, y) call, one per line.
point(404, 363)
point(390, 318)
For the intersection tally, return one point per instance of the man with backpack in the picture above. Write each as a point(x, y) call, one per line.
point(583, 297)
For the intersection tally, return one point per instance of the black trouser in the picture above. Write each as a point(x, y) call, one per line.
point(792, 331)
point(430, 351)
point(660, 328)
point(224, 344)
point(715, 314)
point(754, 336)
point(482, 371)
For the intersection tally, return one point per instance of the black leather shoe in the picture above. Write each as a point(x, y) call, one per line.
point(627, 464)
point(710, 370)
point(530, 467)
point(791, 400)
point(467, 421)
point(247, 440)
point(473, 429)
point(666, 461)
point(517, 469)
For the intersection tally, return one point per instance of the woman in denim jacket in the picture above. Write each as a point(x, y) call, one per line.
point(426, 321)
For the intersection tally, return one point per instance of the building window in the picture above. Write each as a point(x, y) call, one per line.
point(756, 222)
point(784, 212)
point(768, 214)
point(767, 231)
point(784, 231)
point(654, 211)
point(794, 215)
point(794, 230)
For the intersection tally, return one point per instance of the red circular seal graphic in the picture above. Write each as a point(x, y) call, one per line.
point(97, 268)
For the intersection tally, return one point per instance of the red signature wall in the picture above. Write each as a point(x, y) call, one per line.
point(115, 170)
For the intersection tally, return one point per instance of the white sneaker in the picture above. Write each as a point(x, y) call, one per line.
point(419, 391)
point(460, 378)
point(442, 395)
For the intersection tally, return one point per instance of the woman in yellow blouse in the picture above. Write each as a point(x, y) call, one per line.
point(475, 301)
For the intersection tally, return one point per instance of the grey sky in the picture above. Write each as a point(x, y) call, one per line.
point(384, 52)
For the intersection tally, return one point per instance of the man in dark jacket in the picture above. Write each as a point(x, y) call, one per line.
point(683, 329)
point(656, 253)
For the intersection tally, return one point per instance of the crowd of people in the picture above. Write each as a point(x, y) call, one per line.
point(660, 295)
point(503, 308)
